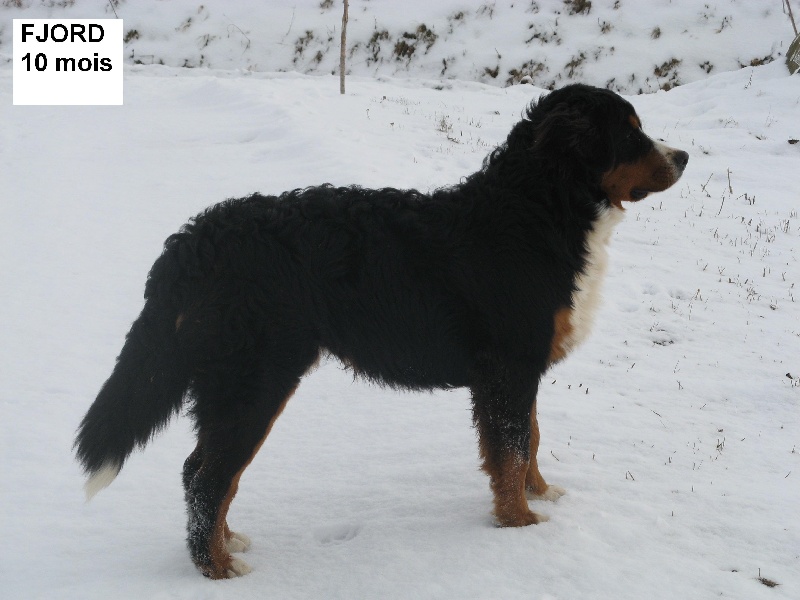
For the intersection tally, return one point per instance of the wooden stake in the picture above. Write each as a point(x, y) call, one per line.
point(791, 16)
point(344, 46)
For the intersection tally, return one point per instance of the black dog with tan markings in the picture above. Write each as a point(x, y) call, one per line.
point(481, 285)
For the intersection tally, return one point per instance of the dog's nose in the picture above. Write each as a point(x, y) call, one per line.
point(680, 159)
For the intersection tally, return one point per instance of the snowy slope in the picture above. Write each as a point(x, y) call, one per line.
point(675, 428)
point(626, 45)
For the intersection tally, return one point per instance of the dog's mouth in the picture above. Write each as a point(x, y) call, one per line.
point(637, 194)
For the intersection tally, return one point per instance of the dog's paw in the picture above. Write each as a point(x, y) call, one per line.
point(520, 519)
point(237, 568)
point(552, 493)
point(238, 542)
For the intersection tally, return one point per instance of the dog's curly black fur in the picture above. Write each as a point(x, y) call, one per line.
point(473, 285)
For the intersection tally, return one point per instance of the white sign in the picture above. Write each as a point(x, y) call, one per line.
point(67, 61)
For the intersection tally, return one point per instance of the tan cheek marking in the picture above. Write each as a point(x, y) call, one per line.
point(618, 183)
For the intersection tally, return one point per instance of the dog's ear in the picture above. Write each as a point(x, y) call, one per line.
point(572, 142)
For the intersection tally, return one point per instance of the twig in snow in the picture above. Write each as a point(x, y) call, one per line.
point(290, 23)
point(244, 35)
point(703, 187)
point(791, 16)
point(767, 582)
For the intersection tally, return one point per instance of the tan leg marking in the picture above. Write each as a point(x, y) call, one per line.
point(536, 487)
point(534, 482)
point(508, 486)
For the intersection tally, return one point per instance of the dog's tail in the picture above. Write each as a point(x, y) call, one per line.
point(151, 375)
point(144, 390)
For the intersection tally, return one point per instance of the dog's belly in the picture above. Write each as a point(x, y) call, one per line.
point(400, 343)
point(428, 365)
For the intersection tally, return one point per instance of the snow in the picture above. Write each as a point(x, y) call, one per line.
point(674, 428)
point(495, 42)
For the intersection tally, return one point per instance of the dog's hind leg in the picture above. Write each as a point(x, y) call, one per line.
point(502, 405)
point(234, 542)
point(236, 405)
point(536, 487)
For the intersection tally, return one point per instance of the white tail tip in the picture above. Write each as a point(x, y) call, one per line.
point(101, 479)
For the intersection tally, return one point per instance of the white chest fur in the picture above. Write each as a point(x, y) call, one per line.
point(588, 284)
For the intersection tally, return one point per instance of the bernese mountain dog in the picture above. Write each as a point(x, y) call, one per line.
point(482, 285)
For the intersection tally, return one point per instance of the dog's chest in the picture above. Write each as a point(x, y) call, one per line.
point(573, 324)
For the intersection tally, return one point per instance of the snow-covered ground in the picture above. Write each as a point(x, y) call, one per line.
point(675, 429)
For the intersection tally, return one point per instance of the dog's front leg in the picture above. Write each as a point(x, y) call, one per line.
point(536, 488)
point(502, 403)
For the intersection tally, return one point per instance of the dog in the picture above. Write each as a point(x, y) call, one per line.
point(484, 285)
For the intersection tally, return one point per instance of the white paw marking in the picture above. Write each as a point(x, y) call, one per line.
point(238, 542)
point(542, 518)
point(552, 493)
point(235, 545)
point(238, 568)
point(100, 479)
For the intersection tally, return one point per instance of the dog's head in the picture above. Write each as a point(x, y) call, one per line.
point(594, 137)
